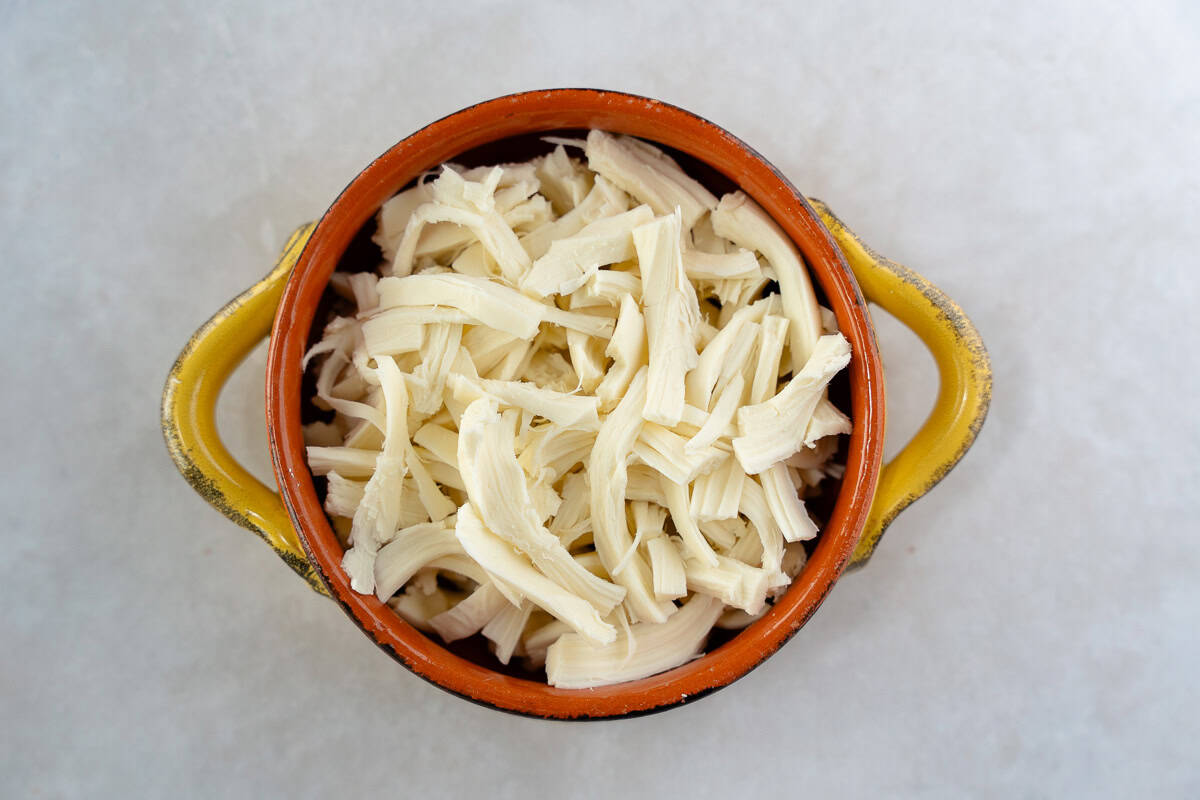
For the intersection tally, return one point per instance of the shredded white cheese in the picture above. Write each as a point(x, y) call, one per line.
point(564, 417)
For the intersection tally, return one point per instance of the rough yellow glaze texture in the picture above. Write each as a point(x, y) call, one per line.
point(189, 413)
point(965, 373)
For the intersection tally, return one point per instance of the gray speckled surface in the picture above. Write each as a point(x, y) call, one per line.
point(1028, 630)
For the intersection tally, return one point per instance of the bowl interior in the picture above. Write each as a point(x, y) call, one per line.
point(363, 255)
point(509, 129)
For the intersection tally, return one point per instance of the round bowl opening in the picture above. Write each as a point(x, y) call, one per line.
point(509, 129)
point(363, 255)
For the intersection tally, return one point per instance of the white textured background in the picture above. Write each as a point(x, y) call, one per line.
point(1028, 630)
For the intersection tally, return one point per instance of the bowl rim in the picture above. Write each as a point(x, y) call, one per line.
point(525, 113)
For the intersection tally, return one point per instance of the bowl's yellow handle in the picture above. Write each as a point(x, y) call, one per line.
point(962, 361)
point(189, 413)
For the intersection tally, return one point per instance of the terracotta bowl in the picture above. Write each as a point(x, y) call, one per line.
point(494, 130)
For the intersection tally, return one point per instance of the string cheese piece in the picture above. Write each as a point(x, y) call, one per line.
point(417, 607)
point(647, 523)
point(498, 558)
point(439, 351)
point(724, 533)
point(553, 451)
point(487, 303)
point(666, 451)
point(627, 349)
point(446, 476)
point(545, 500)
point(471, 205)
point(568, 411)
point(498, 490)
point(587, 359)
point(430, 495)
point(608, 287)
point(774, 429)
point(672, 314)
point(649, 175)
point(456, 568)
point(571, 521)
point(786, 506)
point(771, 336)
point(393, 218)
point(468, 617)
point(741, 220)
point(516, 182)
point(546, 635)
point(670, 582)
point(826, 420)
point(724, 353)
point(746, 548)
point(504, 629)
point(572, 261)
point(604, 200)
point(387, 338)
point(378, 513)
point(720, 417)
point(574, 663)
point(694, 543)
point(693, 420)
point(411, 550)
point(738, 265)
point(717, 495)
point(548, 369)
point(731, 581)
point(522, 175)
point(564, 181)
point(402, 330)
point(755, 507)
point(342, 495)
point(608, 475)
point(440, 441)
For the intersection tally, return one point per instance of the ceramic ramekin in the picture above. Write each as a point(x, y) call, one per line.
point(848, 274)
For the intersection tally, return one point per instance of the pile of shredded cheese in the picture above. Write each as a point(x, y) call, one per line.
point(566, 416)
